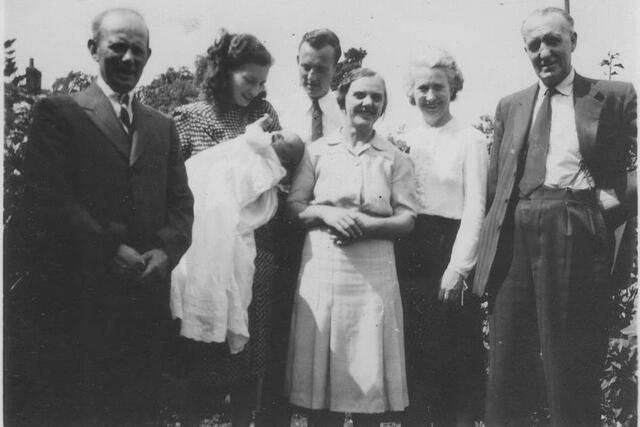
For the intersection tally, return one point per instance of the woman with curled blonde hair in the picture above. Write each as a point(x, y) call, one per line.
point(442, 320)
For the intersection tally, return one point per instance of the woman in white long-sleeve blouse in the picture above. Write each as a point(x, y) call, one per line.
point(442, 327)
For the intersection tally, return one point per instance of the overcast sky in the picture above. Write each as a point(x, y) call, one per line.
point(482, 34)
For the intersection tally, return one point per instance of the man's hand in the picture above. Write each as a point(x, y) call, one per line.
point(128, 263)
point(157, 264)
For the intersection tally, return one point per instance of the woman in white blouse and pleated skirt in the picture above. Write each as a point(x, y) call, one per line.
point(442, 320)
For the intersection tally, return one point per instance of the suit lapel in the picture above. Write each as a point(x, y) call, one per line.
point(140, 131)
point(99, 109)
point(588, 106)
point(522, 119)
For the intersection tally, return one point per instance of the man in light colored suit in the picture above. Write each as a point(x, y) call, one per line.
point(107, 197)
point(558, 158)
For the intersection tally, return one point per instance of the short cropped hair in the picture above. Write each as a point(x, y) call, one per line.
point(320, 38)
point(356, 74)
point(547, 11)
point(435, 58)
point(96, 24)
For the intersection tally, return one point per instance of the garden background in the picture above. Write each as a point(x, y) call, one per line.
point(483, 35)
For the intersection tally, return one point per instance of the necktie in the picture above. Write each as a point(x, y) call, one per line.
point(124, 112)
point(535, 166)
point(316, 121)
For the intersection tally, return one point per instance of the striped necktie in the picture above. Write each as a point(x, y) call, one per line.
point(124, 112)
point(316, 121)
point(535, 167)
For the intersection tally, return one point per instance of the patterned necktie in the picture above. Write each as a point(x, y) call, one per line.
point(124, 112)
point(316, 121)
point(535, 166)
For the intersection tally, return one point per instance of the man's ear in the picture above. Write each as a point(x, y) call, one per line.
point(574, 41)
point(93, 47)
point(148, 53)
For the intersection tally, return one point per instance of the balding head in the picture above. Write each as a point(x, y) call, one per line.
point(120, 45)
point(96, 24)
point(568, 20)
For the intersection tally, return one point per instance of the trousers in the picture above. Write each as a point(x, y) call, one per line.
point(548, 320)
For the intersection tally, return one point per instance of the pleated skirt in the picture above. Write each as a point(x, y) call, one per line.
point(346, 348)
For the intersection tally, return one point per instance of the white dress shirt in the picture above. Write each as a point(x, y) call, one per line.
point(450, 164)
point(297, 114)
point(114, 98)
point(565, 168)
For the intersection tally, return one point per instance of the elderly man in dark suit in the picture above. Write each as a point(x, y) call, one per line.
point(558, 159)
point(108, 198)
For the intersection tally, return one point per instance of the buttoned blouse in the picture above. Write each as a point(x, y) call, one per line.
point(451, 164)
point(375, 178)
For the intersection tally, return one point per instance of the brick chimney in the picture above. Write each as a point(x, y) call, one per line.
point(34, 79)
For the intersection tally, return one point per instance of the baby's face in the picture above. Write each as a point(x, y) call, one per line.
point(284, 137)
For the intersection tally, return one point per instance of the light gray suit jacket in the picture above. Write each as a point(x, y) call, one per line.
point(605, 114)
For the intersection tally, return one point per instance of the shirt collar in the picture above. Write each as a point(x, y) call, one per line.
point(111, 94)
point(324, 102)
point(565, 87)
point(376, 141)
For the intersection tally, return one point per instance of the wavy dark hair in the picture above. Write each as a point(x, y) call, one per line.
point(228, 53)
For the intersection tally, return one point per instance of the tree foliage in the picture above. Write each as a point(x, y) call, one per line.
point(18, 106)
point(10, 67)
point(611, 64)
point(170, 90)
point(75, 81)
point(486, 125)
point(353, 58)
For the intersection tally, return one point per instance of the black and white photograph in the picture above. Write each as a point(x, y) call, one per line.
point(320, 213)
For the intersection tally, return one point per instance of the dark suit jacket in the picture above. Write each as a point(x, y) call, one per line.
point(606, 125)
point(87, 192)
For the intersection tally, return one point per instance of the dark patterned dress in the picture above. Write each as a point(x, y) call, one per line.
point(201, 127)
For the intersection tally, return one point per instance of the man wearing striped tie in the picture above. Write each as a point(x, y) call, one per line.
point(108, 199)
point(558, 161)
point(311, 113)
point(314, 112)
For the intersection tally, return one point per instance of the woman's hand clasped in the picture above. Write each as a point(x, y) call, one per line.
point(346, 226)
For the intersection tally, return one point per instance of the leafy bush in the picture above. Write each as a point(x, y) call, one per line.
point(170, 90)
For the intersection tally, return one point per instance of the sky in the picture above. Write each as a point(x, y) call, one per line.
point(483, 35)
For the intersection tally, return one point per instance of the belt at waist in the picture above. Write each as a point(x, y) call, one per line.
point(549, 193)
